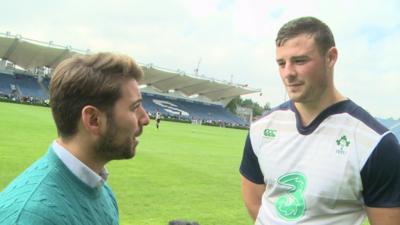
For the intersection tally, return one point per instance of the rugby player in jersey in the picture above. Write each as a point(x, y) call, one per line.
point(318, 158)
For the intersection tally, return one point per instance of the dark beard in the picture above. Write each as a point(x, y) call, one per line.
point(107, 149)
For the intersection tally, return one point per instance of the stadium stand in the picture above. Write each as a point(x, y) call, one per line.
point(21, 86)
point(6, 82)
point(171, 107)
point(29, 86)
point(46, 82)
point(396, 131)
point(393, 125)
point(187, 109)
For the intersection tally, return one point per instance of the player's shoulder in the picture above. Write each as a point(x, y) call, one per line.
point(363, 117)
point(283, 112)
point(270, 121)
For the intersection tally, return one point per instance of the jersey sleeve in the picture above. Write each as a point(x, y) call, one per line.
point(381, 174)
point(249, 167)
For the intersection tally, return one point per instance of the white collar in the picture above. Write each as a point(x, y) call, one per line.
point(79, 169)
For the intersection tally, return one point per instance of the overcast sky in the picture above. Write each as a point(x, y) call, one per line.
point(231, 39)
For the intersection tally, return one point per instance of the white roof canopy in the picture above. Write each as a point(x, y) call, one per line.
point(164, 81)
point(31, 54)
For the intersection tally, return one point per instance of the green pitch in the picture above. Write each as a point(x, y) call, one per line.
point(180, 171)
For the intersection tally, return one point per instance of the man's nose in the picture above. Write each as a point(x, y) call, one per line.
point(143, 117)
point(288, 70)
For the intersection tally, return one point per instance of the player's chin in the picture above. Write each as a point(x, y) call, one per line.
point(295, 97)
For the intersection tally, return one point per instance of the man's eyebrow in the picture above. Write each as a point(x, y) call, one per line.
point(299, 57)
point(136, 102)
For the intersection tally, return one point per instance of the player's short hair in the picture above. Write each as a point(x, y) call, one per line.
point(88, 80)
point(312, 26)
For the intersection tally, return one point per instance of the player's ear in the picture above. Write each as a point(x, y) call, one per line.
point(92, 119)
point(331, 56)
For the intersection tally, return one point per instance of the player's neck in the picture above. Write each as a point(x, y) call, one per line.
point(310, 110)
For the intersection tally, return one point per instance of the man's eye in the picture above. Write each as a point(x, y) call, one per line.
point(281, 64)
point(300, 61)
point(134, 108)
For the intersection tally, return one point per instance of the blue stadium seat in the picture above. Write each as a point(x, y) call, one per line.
point(396, 131)
point(188, 109)
point(5, 81)
point(29, 86)
point(46, 82)
point(392, 124)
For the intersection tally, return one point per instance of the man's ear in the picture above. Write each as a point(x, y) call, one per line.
point(92, 119)
point(331, 56)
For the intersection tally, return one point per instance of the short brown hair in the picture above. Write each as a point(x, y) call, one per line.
point(88, 80)
point(307, 25)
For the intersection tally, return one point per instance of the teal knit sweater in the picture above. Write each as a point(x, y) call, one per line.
point(49, 193)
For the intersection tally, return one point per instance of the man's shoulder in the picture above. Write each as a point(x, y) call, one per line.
point(283, 112)
point(30, 214)
point(368, 120)
point(27, 182)
point(25, 196)
point(282, 108)
point(349, 112)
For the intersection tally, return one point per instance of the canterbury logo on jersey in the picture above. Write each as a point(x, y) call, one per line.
point(270, 133)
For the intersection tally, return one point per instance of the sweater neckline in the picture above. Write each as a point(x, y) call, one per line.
point(59, 165)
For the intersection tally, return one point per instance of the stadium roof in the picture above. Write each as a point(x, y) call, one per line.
point(30, 54)
point(164, 81)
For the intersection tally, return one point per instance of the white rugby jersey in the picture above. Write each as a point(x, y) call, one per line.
point(326, 172)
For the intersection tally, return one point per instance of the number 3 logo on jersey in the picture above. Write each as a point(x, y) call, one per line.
point(291, 205)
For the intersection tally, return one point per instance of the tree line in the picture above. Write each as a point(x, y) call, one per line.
point(247, 103)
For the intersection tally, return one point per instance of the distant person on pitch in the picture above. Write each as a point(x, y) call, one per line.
point(158, 119)
point(319, 158)
point(96, 105)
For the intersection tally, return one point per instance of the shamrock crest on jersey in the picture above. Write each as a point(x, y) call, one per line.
point(343, 143)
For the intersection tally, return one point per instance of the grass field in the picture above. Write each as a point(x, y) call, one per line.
point(180, 171)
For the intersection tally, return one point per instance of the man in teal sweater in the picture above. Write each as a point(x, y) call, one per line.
point(96, 106)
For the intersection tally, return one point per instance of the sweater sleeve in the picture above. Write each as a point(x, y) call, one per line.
point(113, 199)
point(29, 218)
